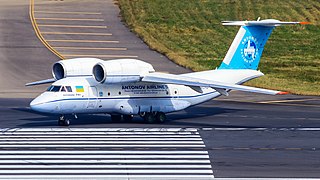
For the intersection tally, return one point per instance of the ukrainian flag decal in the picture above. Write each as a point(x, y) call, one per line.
point(79, 89)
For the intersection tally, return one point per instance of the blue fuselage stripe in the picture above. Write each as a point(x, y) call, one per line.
point(115, 98)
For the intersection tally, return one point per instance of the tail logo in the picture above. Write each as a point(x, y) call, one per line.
point(249, 49)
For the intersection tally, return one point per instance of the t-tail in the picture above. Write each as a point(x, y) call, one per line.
point(247, 47)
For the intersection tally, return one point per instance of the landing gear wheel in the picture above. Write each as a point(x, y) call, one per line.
point(66, 122)
point(63, 121)
point(127, 118)
point(142, 114)
point(60, 123)
point(161, 117)
point(149, 118)
point(116, 118)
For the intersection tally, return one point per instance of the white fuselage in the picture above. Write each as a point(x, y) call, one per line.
point(133, 98)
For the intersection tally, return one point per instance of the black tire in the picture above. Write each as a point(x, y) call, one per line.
point(149, 118)
point(116, 118)
point(66, 122)
point(60, 123)
point(127, 118)
point(161, 117)
point(142, 114)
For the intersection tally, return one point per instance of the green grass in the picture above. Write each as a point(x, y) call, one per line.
point(190, 33)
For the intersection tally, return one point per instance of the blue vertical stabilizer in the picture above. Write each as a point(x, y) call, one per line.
point(247, 47)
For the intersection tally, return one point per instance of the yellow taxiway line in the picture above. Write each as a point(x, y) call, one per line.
point(90, 48)
point(37, 31)
point(71, 26)
point(78, 33)
point(83, 41)
point(61, 12)
point(99, 55)
point(69, 19)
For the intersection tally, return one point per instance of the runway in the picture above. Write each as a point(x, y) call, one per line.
point(103, 153)
point(243, 135)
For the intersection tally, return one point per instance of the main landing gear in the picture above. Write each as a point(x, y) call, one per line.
point(149, 117)
point(63, 121)
point(154, 117)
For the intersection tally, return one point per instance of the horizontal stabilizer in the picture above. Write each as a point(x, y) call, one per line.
point(266, 22)
point(46, 81)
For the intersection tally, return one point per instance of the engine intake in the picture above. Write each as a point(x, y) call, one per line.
point(74, 67)
point(121, 70)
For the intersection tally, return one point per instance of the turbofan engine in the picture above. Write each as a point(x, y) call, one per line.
point(74, 67)
point(121, 70)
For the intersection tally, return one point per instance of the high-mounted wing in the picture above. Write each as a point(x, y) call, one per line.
point(41, 82)
point(196, 82)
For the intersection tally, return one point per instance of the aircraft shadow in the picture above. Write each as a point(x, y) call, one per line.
point(196, 116)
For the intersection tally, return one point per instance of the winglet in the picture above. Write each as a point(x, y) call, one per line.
point(282, 93)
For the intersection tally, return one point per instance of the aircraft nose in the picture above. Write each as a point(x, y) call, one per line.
point(36, 105)
point(40, 104)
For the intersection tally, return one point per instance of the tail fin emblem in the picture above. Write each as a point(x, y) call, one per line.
point(249, 49)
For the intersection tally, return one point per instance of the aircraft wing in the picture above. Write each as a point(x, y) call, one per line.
point(221, 87)
point(41, 82)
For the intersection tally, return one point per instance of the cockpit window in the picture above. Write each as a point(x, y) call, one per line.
point(69, 89)
point(49, 88)
point(63, 89)
point(54, 88)
point(59, 88)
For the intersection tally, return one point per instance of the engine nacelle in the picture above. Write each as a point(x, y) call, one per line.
point(121, 71)
point(74, 67)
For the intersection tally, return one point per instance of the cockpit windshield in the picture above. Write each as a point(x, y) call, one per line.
point(59, 89)
point(54, 88)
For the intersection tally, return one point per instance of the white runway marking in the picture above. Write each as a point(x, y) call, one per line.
point(155, 153)
point(102, 152)
point(137, 166)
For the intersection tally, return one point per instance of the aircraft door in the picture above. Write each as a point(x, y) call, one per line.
point(92, 97)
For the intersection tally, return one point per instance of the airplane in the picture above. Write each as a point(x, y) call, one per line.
point(127, 87)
